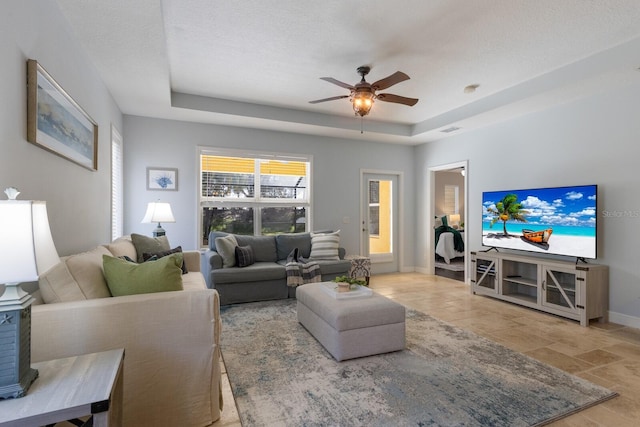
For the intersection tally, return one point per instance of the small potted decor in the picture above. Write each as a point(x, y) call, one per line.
point(346, 283)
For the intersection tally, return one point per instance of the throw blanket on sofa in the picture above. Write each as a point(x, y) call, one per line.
point(299, 273)
point(301, 270)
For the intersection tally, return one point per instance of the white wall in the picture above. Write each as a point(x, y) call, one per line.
point(336, 174)
point(592, 141)
point(78, 200)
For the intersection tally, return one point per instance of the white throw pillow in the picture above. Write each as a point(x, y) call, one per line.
point(325, 245)
point(226, 247)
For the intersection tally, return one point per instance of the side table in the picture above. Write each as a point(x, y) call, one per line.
point(360, 267)
point(70, 388)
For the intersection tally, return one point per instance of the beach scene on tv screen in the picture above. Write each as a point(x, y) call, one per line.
point(560, 220)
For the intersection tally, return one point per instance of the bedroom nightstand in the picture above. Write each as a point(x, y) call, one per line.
point(70, 388)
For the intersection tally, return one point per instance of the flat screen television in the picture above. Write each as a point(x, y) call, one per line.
point(557, 221)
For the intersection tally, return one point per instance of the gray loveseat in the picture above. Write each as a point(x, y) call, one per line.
point(266, 279)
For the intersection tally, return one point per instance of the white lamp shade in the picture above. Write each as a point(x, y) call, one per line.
point(158, 212)
point(26, 246)
point(454, 218)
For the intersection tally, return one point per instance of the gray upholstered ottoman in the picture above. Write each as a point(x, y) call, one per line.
point(351, 327)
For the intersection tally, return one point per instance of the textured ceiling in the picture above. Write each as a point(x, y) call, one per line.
point(257, 63)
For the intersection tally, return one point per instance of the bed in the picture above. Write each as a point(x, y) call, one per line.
point(445, 247)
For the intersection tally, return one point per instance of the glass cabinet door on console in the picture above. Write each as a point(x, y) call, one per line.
point(561, 289)
point(485, 274)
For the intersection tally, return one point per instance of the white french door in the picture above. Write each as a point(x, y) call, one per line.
point(379, 223)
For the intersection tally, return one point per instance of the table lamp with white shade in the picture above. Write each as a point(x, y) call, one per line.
point(26, 251)
point(158, 212)
point(454, 220)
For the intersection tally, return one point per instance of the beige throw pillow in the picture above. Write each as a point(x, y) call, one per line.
point(58, 285)
point(122, 246)
point(77, 277)
point(226, 247)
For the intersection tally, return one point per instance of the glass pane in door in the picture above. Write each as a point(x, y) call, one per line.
point(380, 217)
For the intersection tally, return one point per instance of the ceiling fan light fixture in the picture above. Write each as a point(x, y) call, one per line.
point(362, 103)
point(362, 95)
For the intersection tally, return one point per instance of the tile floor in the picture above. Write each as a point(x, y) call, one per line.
point(606, 354)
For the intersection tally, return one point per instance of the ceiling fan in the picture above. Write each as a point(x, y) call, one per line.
point(363, 94)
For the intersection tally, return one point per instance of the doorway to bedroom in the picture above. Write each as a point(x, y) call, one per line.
point(448, 196)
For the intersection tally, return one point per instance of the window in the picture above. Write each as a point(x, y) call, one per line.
point(451, 199)
point(260, 194)
point(117, 186)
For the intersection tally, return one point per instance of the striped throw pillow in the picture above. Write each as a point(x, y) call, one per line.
point(325, 245)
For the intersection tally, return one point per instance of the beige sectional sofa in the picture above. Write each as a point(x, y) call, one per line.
point(171, 339)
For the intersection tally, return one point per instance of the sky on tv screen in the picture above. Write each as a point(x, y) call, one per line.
point(569, 210)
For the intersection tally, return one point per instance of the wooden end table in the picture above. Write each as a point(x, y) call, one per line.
point(70, 388)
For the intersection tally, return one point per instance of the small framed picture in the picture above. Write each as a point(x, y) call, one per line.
point(162, 179)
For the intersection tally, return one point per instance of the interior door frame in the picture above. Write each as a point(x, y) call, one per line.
point(430, 237)
point(400, 178)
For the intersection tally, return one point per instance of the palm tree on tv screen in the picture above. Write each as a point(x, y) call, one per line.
point(506, 209)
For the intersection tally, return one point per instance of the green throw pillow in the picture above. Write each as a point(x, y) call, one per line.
point(128, 278)
point(149, 245)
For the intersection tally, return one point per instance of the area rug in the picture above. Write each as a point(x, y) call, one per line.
point(281, 376)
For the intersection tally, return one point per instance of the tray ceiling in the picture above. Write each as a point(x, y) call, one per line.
point(257, 63)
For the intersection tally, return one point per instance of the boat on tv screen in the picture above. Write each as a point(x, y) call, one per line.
point(558, 221)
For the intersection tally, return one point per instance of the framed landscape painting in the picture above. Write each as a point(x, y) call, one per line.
point(162, 179)
point(56, 122)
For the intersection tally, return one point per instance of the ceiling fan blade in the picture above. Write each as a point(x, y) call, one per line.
point(389, 97)
point(337, 82)
point(389, 81)
point(333, 98)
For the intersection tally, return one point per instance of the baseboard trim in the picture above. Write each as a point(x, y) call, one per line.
point(624, 319)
